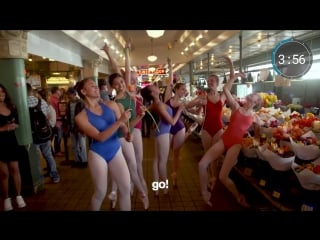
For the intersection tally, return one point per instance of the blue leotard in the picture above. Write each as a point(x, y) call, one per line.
point(163, 125)
point(179, 124)
point(109, 147)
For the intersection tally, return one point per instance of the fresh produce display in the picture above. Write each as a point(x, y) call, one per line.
point(283, 151)
point(311, 166)
point(306, 121)
point(295, 107)
point(268, 99)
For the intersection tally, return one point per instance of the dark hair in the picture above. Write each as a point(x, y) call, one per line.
point(43, 93)
point(7, 99)
point(101, 82)
point(146, 94)
point(71, 90)
point(114, 76)
point(29, 88)
point(80, 85)
point(54, 89)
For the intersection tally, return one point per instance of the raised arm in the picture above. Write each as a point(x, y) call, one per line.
point(231, 76)
point(127, 74)
point(114, 64)
point(226, 91)
point(168, 91)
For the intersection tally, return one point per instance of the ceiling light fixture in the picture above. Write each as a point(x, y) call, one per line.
point(152, 57)
point(155, 33)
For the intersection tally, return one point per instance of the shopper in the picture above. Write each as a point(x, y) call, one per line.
point(44, 146)
point(11, 152)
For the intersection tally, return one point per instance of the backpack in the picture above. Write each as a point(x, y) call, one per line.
point(40, 126)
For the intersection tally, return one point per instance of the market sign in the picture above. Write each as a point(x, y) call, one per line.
point(157, 71)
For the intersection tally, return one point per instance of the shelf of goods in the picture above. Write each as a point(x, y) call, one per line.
point(283, 163)
point(281, 188)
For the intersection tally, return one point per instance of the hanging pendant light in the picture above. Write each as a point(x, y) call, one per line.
point(152, 57)
point(155, 33)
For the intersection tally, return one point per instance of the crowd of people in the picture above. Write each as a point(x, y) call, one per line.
point(106, 133)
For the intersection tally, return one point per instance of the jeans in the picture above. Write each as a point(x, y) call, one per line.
point(45, 149)
point(79, 147)
point(57, 139)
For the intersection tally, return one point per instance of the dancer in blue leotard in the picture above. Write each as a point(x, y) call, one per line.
point(101, 121)
point(178, 133)
point(151, 93)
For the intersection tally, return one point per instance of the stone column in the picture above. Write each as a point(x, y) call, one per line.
point(91, 68)
point(13, 51)
point(191, 76)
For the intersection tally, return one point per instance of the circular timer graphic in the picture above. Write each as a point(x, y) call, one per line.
point(292, 58)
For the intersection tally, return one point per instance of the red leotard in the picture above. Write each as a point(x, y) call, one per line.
point(213, 117)
point(237, 127)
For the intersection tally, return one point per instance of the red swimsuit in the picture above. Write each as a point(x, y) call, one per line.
point(213, 117)
point(237, 127)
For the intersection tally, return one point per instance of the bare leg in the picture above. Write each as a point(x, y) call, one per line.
point(4, 178)
point(15, 173)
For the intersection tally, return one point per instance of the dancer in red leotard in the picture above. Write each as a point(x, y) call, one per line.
point(212, 127)
point(241, 119)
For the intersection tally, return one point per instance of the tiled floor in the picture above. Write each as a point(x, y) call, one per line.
point(74, 191)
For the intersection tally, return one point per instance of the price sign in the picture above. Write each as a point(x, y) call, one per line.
point(157, 71)
point(248, 171)
point(262, 182)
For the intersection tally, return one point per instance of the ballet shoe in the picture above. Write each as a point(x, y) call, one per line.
point(206, 198)
point(211, 184)
point(145, 200)
point(113, 198)
point(242, 201)
point(131, 189)
point(156, 193)
point(174, 179)
point(145, 188)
